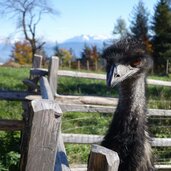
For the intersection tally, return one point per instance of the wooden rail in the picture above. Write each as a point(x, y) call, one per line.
point(76, 74)
point(91, 139)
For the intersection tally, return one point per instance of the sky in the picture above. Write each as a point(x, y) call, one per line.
point(79, 17)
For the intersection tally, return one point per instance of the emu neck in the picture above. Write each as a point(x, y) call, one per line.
point(132, 97)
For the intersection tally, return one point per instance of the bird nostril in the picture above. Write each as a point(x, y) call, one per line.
point(116, 75)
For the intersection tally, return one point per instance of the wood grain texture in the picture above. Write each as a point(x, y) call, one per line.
point(44, 136)
point(102, 159)
point(52, 74)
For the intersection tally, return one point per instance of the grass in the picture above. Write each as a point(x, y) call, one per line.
point(78, 122)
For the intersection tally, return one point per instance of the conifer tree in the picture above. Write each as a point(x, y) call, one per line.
point(161, 27)
point(120, 28)
point(139, 23)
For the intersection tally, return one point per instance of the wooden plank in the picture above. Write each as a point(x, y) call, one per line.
point(91, 139)
point(163, 167)
point(53, 72)
point(95, 100)
point(45, 89)
point(159, 82)
point(61, 163)
point(38, 71)
point(82, 138)
point(37, 61)
point(83, 167)
point(103, 77)
point(44, 136)
point(87, 108)
point(106, 109)
point(14, 95)
point(103, 159)
point(11, 125)
point(81, 75)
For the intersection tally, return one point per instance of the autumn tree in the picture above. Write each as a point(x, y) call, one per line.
point(22, 53)
point(64, 55)
point(27, 14)
point(162, 36)
point(90, 56)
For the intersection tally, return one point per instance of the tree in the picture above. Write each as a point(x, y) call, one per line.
point(27, 14)
point(86, 56)
point(90, 56)
point(22, 53)
point(95, 56)
point(161, 27)
point(64, 55)
point(120, 28)
point(139, 24)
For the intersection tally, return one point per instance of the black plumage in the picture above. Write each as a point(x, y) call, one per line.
point(127, 65)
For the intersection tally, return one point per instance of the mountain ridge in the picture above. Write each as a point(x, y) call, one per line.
point(75, 43)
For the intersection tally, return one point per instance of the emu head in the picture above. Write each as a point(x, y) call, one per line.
point(126, 59)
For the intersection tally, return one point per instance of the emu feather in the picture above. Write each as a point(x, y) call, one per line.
point(127, 66)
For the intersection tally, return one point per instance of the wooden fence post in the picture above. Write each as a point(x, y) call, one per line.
point(53, 73)
point(61, 163)
point(37, 61)
point(44, 135)
point(103, 159)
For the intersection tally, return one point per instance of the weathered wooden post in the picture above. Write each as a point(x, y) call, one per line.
point(37, 61)
point(103, 159)
point(61, 163)
point(78, 65)
point(52, 74)
point(44, 135)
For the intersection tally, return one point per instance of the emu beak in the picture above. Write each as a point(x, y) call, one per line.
point(118, 73)
point(112, 75)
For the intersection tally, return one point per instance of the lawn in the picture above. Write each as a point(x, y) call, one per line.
point(74, 122)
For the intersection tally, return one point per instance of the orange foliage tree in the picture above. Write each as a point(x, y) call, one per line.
point(22, 52)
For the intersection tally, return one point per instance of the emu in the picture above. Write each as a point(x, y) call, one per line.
point(127, 65)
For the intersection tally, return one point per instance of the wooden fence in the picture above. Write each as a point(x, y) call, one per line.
point(42, 146)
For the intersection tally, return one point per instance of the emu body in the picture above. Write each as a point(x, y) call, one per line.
point(127, 134)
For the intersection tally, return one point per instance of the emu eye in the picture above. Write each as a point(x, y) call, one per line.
point(135, 63)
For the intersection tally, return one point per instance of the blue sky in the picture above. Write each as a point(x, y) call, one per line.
point(77, 17)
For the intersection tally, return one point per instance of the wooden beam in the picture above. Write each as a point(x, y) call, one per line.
point(106, 109)
point(38, 71)
point(44, 135)
point(45, 89)
point(15, 95)
point(53, 73)
point(91, 139)
point(103, 159)
point(37, 61)
point(103, 77)
point(81, 75)
point(95, 100)
point(11, 125)
point(83, 167)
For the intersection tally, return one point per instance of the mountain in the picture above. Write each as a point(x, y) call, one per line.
point(76, 43)
point(5, 50)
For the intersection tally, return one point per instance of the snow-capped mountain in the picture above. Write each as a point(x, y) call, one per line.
point(75, 43)
point(88, 38)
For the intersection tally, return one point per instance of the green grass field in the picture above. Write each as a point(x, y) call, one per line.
point(74, 122)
